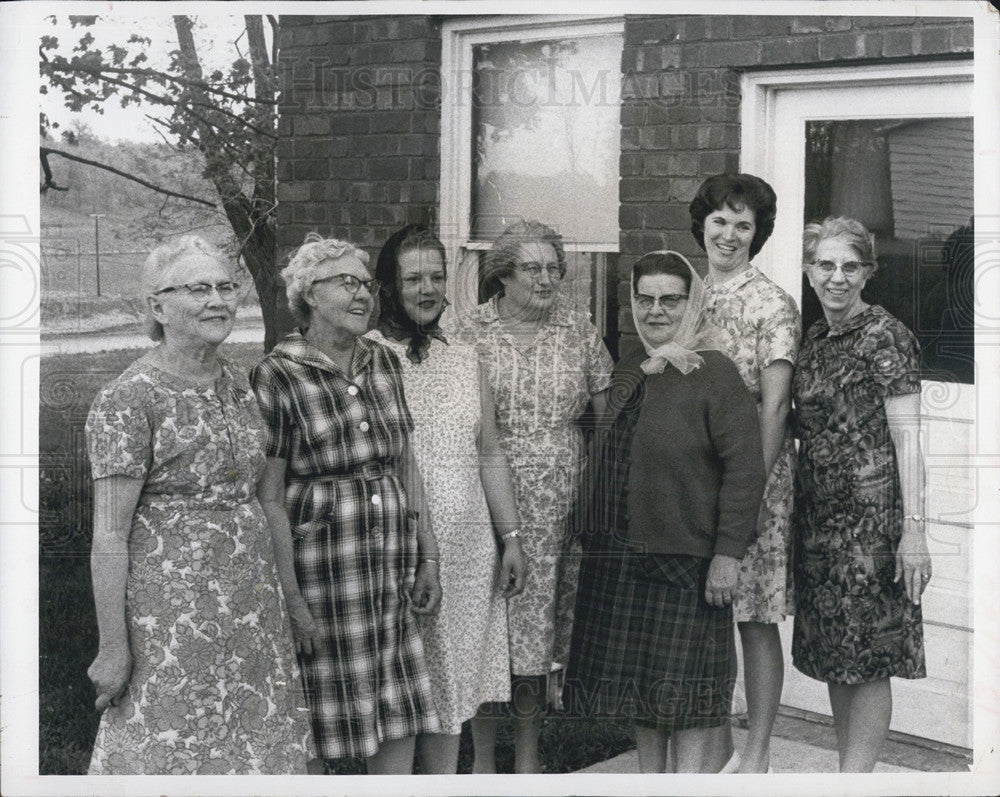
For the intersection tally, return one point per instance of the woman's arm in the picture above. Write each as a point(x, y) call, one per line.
point(115, 500)
point(271, 494)
point(599, 402)
point(494, 472)
point(426, 593)
point(775, 404)
point(913, 562)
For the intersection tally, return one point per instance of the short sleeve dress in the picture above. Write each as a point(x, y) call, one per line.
point(760, 324)
point(465, 642)
point(853, 624)
point(214, 689)
point(355, 555)
point(541, 390)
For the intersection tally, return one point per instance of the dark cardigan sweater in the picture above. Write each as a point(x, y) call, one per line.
point(696, 469)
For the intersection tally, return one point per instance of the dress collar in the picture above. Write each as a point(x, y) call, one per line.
point(296, 348)
point(822, 327)
point(733, 283)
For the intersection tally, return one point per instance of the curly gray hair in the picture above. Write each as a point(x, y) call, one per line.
point(306, 266)
point(850, 231)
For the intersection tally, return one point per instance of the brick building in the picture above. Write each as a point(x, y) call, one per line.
point(605, 126)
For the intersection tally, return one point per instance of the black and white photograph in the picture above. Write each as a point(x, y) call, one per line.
point(500, 397)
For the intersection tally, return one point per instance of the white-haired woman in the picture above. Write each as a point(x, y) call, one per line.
point(195, 670)
point(341, 482)
point(861, 559)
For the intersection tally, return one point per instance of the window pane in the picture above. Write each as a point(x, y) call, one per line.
point(546, 136)
point(910, 182)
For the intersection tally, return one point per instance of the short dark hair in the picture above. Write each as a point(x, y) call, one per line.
point(736, 191)
point(669, 263)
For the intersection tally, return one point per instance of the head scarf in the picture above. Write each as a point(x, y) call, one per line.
point(695, 332)
point(393, 321)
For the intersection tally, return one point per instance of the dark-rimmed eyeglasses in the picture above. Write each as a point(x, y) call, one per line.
point(851, 268)
point(534, 270)
point(668, 301)
point(202, 290)
point(352, 284)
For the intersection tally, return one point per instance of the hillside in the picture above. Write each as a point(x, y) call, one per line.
point(135, 220)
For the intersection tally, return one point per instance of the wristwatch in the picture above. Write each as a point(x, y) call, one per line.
point(511, 535)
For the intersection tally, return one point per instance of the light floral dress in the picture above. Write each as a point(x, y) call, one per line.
point(540, 390)
point(214, 689)
point(465, 642)
point(761, 325)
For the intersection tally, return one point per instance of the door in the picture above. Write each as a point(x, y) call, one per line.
point(892, 146)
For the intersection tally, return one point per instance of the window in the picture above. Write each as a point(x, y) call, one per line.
point(530, 130)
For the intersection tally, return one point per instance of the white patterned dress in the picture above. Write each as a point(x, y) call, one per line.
point(541, 389)
point(761, 325)
point(465, 643)
point(214, 688)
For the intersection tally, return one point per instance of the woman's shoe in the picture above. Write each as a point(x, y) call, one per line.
point(732, 765)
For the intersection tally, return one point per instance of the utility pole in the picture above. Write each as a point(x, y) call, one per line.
point(97, 247)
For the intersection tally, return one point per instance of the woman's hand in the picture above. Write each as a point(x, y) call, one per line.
point(425, 596)
point(720, 586)
point(513, 568)
point(913, 562)
point(304, 627)
point(110, 673)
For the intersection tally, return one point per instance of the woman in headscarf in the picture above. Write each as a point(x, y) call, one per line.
point(668, 512)
point(468, 489)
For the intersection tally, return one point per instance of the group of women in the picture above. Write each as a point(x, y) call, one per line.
point(382, 533)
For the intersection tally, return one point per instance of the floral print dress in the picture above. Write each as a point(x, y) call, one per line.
point(853, 623)
point(214, 688)
point(761, 325)
point(465, 642)
point(540, 390)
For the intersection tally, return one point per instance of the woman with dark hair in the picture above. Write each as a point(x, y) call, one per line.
point(468, 489)
point(342, 486)
point(664, 523)
point(732, 216)
point(544, 363)
point(861, 560)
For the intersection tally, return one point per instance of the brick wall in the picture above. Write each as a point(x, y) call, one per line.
point(681, 103)
point(358, 149)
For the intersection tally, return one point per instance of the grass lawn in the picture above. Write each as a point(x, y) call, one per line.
point(68, 627)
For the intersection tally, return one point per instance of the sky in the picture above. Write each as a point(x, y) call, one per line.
point(215, 35)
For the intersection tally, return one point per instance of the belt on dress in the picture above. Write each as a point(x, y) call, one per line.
point(369, 472)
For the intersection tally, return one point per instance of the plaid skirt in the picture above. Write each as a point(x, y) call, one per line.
point(646, 646)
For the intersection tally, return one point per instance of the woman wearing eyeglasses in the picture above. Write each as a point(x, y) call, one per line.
point(342, 487)
point(195, 671)
point(667, 512)
point(732, 216)
point(545, 363)
point(861, 553)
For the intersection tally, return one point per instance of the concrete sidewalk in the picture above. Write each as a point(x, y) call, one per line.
point(801, 744)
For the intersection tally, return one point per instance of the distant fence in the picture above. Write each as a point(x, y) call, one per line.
point(67, 266)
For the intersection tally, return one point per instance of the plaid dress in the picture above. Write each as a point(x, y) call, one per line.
point(341, 439)
point(646, 646)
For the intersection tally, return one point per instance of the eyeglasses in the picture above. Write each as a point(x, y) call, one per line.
point(668, 301)
point(202, 290)
point(534, 270)
point(851, 268)
point(352, 284)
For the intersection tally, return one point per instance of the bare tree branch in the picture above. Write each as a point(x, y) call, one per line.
point(44, 153)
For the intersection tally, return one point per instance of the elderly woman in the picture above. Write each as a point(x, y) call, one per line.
point(861, 553)
point(196, 670)
point(664, 525)
point(341, 483)
point(467, 483)
point(544, 363)
point(732, 216)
